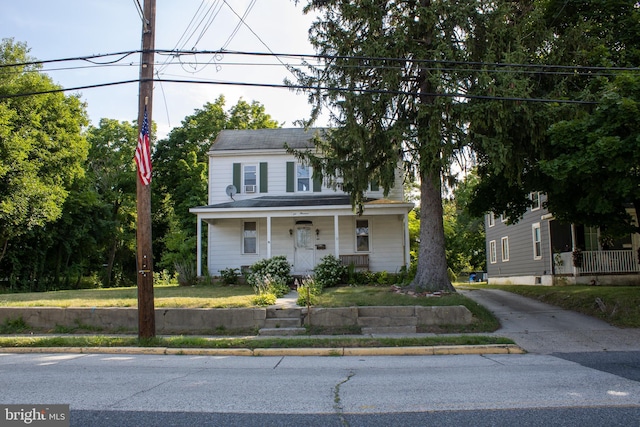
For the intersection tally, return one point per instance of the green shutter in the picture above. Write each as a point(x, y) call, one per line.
point(291, 177)
point(264, 183)
point(317, 182)
point(237, 171)
point(375, 186)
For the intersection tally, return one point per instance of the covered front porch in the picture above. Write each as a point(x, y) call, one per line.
point(580, 252)
point(304, 230)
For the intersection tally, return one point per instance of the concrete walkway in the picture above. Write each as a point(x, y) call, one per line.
point(542, 328)
point(290, 300)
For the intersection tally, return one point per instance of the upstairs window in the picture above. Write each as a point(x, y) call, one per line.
point(303, 178)
point(535, 200)
point(250, 179)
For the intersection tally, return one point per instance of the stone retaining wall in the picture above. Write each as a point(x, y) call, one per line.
point(208, 320)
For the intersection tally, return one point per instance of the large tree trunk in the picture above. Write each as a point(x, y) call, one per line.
point(432, 261)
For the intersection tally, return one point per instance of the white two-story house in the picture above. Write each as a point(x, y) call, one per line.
point(263, 202)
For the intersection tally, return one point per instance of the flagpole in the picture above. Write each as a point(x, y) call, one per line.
point(146, 310)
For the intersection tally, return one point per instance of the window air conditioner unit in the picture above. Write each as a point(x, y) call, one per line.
point(249, 188)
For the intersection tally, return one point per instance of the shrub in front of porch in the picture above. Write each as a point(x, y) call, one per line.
point(277, 267)
point(329, 272)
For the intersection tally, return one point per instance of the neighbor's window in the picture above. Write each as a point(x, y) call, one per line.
point(505, 249)
point(591, 238)
point(362, 235)
point(250, 237)
point(491, 219)
point(535, 200)
point(537, 241)
point(493, 254)
point(303, 178)
point(250, 178)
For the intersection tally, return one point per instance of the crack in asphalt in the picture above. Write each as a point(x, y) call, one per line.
point(337, 402)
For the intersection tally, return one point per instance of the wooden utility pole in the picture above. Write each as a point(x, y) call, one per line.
point(146, 310)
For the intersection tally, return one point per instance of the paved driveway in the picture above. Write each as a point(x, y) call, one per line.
point(542, 328)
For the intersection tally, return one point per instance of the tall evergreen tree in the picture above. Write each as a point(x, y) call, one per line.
point(390, 75)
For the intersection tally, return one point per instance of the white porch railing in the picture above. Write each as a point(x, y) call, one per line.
point(620, 261)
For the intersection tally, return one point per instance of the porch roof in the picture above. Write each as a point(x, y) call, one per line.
point(285, 201)
point(336, 203)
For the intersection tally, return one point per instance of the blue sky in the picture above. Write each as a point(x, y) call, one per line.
point(73, 28)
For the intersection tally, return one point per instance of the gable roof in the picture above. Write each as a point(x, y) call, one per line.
point(265, 139)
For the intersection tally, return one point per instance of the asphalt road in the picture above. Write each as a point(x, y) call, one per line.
point(148, 390)
point(578, 372)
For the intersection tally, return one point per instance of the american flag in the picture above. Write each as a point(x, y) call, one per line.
point(143, 152)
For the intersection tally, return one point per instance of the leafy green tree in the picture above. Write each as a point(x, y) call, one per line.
point(595, 161)
point(42, 149)
point(571, 152)
point(180, 173)
point(464, 232)
point(113, 175)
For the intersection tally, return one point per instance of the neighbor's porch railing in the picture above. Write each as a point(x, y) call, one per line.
point(597, 262)
point(619, 261)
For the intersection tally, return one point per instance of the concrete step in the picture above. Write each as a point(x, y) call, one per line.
point(282, 331)
point(278, 312)
point(387, 321)
point(391, 330)
point(283, 322)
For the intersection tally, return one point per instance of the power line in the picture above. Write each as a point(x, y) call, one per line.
point(88, 58)
point(303, 87)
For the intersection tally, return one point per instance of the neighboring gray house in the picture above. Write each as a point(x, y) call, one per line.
point(263, 202)
point(540, 250)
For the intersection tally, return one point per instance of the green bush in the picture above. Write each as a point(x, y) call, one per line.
point(308, 290)
point(329, 272)
point(187, 275)
point(277, 267)
point(264, 299)
point(229, 276)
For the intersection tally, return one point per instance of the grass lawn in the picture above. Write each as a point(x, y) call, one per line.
point(617, 305)
point(250, 343)
point(164, 296)
point(241, 296)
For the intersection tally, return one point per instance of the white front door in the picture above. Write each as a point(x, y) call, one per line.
point(304, 250)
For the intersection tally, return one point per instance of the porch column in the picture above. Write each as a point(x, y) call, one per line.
point(268, 236)
point(336, 236)
point(407, 254)
point(199, 246)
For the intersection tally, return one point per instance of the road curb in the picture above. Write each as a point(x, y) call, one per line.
point(335, 351)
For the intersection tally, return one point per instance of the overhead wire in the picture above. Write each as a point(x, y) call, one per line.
point(541, 69)
point(298, 86)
